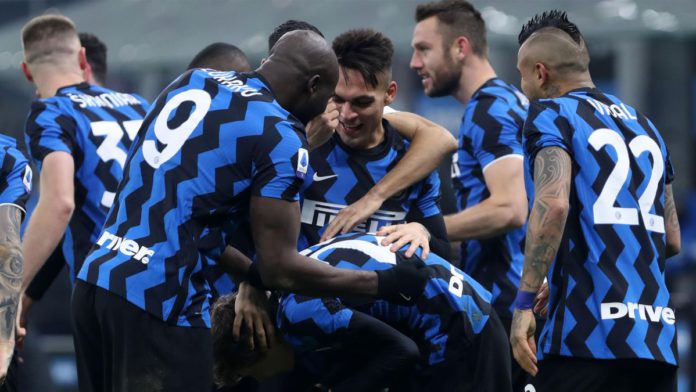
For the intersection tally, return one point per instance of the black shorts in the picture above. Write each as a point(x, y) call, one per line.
point(484, 367)
point(558, 374)
point(120, 347)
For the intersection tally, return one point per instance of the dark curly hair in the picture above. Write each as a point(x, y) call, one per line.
point(554, 18)
point(364, 50)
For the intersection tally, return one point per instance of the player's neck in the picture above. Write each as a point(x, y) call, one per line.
point(571, 83)
point(48, 82)
point(476, 72)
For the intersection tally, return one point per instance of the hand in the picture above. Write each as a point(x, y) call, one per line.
point(522, 340)
point(404, 283)
point(21, 324)
point(541, 302)
point(321, 128)
point(412, 233)
point(351, 216)
point(251, 309)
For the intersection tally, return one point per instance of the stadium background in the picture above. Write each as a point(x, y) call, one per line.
point(641, 50)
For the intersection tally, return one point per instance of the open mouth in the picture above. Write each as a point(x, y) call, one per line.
point(351, 128)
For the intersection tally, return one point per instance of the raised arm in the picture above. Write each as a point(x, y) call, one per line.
point(672, 230)
point(504, 210)
point(52, 214)
point(11, 262)
point(430, 143)
point(552, 176)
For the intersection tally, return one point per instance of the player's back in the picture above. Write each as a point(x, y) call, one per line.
point(609, 272)
point(96, 126)
point(443, 322)
point(211, 140)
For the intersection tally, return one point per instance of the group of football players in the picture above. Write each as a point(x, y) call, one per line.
point(285, 222)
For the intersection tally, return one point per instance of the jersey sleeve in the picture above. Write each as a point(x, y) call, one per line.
point(281, 162)
point(429, 198)
point(545, 127)
point(494, 134)
point(15, 184)
point(48, 129)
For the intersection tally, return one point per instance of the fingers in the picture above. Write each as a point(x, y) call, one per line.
point(525, 355)
point(237, 326)
point(261, 334)
point(250, 339)
point(426, 250)
point(270, 331)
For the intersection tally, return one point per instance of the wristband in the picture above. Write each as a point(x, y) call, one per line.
point(525, 300)
point(254, 277)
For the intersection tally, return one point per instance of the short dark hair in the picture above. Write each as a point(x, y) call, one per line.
point(461, 19)
point(554, 18)
point(222, 57)
point(95, 51)
point(229, 355)
point(366, 51)
point(288, 26)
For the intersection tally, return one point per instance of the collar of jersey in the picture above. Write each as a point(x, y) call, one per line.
point(485, 84)
point(78, 86)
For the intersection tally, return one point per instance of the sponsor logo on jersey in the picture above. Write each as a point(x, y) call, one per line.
point(319, 213)
point(616, 310)
point(316, 177)
point(26, 179)
point(127, 247)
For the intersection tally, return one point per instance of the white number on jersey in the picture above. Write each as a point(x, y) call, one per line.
point(109, 150)
point(174, 139)
point(603, 210)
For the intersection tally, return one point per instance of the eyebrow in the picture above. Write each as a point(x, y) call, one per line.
point(358, 98)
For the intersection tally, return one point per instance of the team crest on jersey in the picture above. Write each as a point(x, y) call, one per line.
point(302, 163)
point(26, 179)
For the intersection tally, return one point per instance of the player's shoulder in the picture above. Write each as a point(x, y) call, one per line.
point(9, 147)
point(394, 138)
point(497, 89)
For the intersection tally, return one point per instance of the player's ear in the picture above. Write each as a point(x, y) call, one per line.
point(26, 72)
point(263, 60)
point(541, 74)
point(313, 84)
point(82, 59)
point(390, 96)
point(462, 47)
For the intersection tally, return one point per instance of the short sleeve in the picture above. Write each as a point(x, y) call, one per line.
point(15, 184)
point(281, 161)
point(492, 131)
point(545, 127)
point(49, 129)
point(429, 198)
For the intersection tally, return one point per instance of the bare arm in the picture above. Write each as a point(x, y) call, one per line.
point(672, 230)
point(504, 210)
point(11, 262)
point(52, 214)
point(552, 176)
point(275, 229)
point(430, 143)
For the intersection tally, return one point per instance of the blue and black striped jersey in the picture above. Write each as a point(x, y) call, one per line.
point(453, 309)
point(608, 297)
point(340, 175)
point(96, 126)
point(211, 141)
point(491, 130)
point(15, 174)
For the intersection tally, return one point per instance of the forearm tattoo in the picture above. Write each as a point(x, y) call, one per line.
point(11, 266)
point(552, 176)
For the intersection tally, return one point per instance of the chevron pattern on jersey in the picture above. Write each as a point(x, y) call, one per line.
point(179, 215)
point(97, 127)
point(340, 175)
point(453, 308)
point(491, 129)
point(608, 294)
point(15, 173)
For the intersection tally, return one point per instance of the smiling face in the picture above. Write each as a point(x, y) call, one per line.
point(360, 107)
point(433, 59)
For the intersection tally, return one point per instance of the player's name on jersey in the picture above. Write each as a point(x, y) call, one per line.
point(615, 310)
point(616, 111)
point(320, 213)
point(231, 81)
point(109, 100)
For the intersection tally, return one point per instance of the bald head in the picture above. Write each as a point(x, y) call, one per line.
point(50, 39)
point(303, 71)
